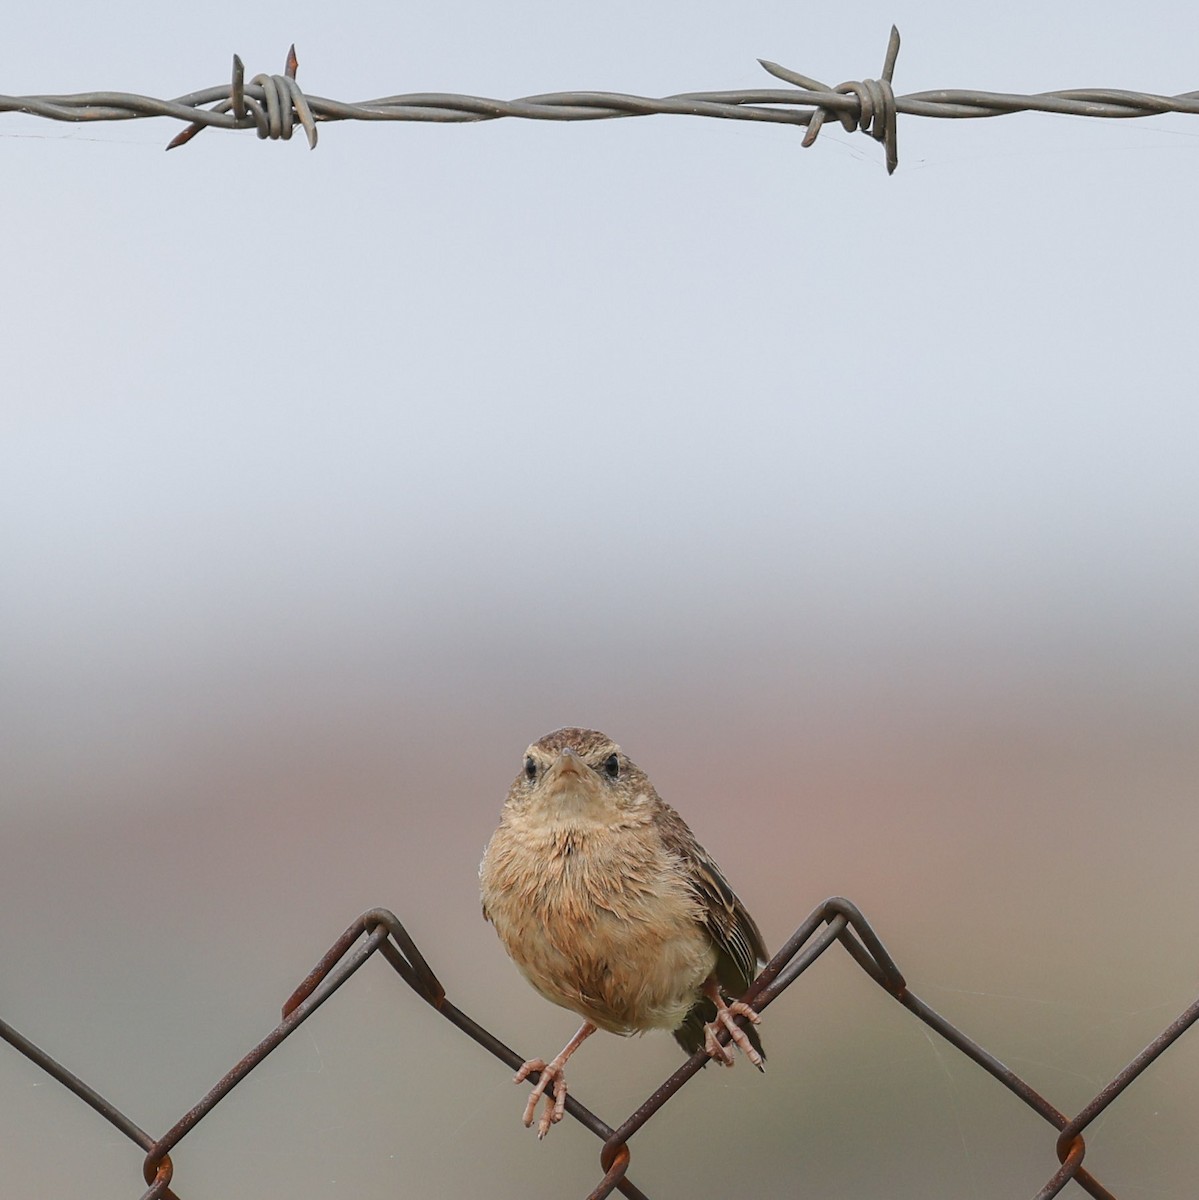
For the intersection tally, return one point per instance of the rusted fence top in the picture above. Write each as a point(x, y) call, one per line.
point(836, 922)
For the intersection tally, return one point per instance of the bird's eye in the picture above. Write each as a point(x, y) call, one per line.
point(611, 766)
point(530, 768)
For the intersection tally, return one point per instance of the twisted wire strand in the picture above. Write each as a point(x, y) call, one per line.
point(273, 104)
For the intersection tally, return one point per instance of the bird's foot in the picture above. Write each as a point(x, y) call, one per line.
point(555, 1103)
point(725, 1014)
point(551, 1072)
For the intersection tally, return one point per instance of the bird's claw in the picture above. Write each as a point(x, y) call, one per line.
point(725, 1014)
point(555, 1103)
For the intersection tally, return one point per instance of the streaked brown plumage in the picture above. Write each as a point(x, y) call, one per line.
point(611, 908)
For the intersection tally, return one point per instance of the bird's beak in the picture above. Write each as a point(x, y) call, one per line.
point(568, 772)
point(568, 763)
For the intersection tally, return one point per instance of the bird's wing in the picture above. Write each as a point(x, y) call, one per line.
point(734, 932)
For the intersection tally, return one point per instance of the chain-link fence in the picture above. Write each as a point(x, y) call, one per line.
point(836, 922)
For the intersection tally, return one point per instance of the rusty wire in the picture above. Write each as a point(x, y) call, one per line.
point(836, 921)
point(273, 104)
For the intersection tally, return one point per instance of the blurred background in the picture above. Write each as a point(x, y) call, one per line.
point(860, 510)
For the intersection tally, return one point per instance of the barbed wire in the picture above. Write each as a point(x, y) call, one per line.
point(274, 104)
point(836, 921)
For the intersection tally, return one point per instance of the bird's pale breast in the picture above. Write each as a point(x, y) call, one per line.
point(600, 921)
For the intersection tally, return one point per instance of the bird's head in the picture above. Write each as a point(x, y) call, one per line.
point(578, 775)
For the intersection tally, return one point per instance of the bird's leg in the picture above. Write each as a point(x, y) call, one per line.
point(551, 1072)
point(725, 1013)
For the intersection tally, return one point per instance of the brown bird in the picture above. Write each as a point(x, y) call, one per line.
point(610, 907)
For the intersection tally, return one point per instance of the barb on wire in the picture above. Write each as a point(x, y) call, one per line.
point(272, 104)
point(835, 922)
point(875, 107)
point(281, 97)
